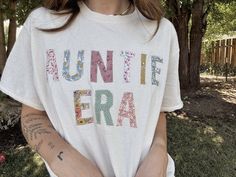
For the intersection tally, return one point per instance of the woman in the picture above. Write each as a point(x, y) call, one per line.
point(95, 90)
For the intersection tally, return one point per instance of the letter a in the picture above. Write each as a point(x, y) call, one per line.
point(127, 100)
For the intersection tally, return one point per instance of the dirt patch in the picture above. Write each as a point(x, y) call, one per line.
point(215, 99)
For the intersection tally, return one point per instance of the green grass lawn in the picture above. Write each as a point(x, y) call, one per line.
point(22, 162)
point(200, 148)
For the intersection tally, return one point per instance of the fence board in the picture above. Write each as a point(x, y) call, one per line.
point(233, 61)
point(222, 52)
point(217, 54)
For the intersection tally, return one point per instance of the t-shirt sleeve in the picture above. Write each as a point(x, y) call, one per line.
point(172, 98)
point(17, 76)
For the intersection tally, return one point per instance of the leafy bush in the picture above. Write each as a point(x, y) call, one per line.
point(217, 69)
point(9, 116)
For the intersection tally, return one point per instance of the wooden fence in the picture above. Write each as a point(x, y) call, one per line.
point(222, 52)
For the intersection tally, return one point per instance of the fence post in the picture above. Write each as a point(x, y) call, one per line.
point(233, 62)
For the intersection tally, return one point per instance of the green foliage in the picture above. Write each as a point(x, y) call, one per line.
point(221, 20)
point(23, 162)
point(9, 116)
point(221, 15)
point(24, 8)
point(217, 69)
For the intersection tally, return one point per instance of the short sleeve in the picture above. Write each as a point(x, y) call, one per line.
point(172, 98)
point(17, 76)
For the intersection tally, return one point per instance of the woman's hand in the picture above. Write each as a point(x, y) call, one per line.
point(69, 163)
point(155, 163)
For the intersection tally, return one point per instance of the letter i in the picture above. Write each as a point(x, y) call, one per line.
point(143, 68)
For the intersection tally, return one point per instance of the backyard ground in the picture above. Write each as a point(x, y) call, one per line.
point(201, 136)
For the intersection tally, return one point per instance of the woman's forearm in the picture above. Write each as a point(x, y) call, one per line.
point(156, 161)
point(41, 136)
point(63, 159)
point(160, 137)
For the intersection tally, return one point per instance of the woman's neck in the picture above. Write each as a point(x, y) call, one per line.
point(108, 7)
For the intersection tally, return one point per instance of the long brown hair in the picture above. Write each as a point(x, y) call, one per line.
point(151, 9)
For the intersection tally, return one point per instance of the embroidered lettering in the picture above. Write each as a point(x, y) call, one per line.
point(127, 110)
point(107, 73)
point(81, 106)
point(103, 103)
point(79, 67)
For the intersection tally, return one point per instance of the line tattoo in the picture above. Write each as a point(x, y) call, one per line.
point(59, 155)
point(51, 145)
point(32, 131)
point(34, 119)
point(33, 114)
point(35, 125)
point(38, 146)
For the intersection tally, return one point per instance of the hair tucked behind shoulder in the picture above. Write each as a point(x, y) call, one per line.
point(151, 9)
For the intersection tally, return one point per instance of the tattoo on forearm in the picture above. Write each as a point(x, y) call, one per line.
point(38, 146)
point(33, 114)
point(60, 155)
point(32, 131)
point(51, 145)
point(34, 119)
point(34, 126)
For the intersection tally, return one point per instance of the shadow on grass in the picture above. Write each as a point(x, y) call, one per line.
point(201, 149)
point(22, 162)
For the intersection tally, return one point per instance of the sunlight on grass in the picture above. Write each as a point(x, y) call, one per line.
point(27, 167)
point(209, 130)
point(218, 140)
point(37, 159)
point(182, 116)
point(23, 162)
point(205, 144)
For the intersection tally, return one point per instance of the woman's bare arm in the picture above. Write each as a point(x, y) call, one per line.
point(155, 162)
point(160, 137)
point(41, 136)
point(63, 159)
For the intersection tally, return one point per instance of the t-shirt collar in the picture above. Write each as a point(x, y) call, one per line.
point(96, 16)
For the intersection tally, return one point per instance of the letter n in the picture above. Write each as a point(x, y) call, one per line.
point(106, 72)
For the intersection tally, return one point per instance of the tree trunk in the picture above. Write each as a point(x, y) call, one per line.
point(196, 34)
point(2, 40)
point(181, 25)
point(180, 19)
point(12, 27)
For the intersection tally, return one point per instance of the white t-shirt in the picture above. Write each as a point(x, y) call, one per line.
point(101, 81)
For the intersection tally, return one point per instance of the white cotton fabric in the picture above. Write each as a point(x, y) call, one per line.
point(116, 150)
